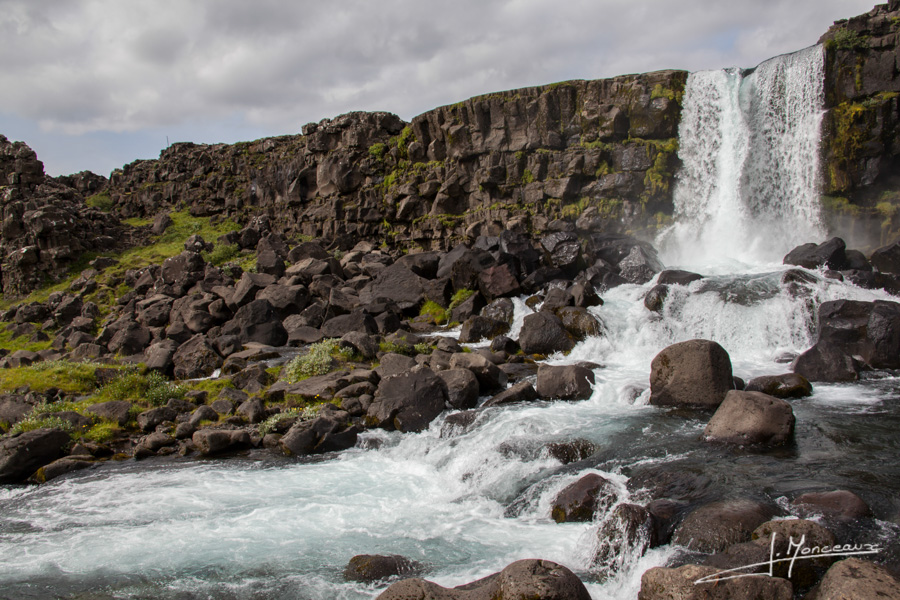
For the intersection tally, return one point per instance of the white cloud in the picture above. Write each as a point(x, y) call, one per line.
point(87, 66)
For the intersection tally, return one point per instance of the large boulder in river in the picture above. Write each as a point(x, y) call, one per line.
point(369, 568)
point(543, 333)
point(692, 373)
point(22, 455)
point(837, 504)
point(830, 254)
point(887, 258)
point(216, 441)
point(408, 401)
point(530, 578)
point(853, 336)
point(748, 418)
point(564, 382)
point(462, 387)
point(580, 500)
point(788, 385)
point(715, 526)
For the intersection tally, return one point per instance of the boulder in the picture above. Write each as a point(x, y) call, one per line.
point(887, 258)
point(747, 418)
point(624, 536)
point(358, 320)
point(715, 526)
point(477, 328)
point(788, 385)
point(149, 419)
point(360, 343)
point(566, 382)
point(490, 377)
point(830, 254)
point(520, 392)
point(837, 504)
point(195, 358)
point(327, 433)
point(462, 387)
point(655, 299)
point(687, 583)
point(530, 578)
point(60, 467)
point(691, 373)
point(216, 441)
point(580, 323)
point(855, 578)
point(159, 356)
point(408, 401)
point(370, 568)
point(398, 284)
point(117, 411)
point(579, 501)
point(853, 336)
point(257, 322)
point(501, 309)
point(640, 265)
point(22, 455)
point(677, 277)
point(498, 281)
point(543, 333)
point(394, 364)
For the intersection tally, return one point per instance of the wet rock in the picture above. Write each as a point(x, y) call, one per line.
point(490, 377)
point(853, 336)
point(580, 323)
point(328, 433)
point(462, 387)
point(655, 299)
point(788, 385)
point(856, 578)
point(838, 504)
point(640, 265)
point(408, 401)
point(580, 500)
point(887, 258)
point(369, 568)
point(715, 526)
point(747, 418)
point(520, 392)
point(569, 452)
point(678, 277)
point(501, 309)
point(60, 467)
point(117, 411)
point(544, 333)
point(660, 583)
point(530, 578)
point(566, 382)
point(22, 455)
point(624, 536)
point(691, 373)
point(830, 254)
point(458, 423)
point(216, 441)
point(477, 328)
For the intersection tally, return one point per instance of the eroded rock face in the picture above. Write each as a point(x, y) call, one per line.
point(22, 455)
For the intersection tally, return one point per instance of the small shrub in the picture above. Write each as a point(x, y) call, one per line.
point(100, 201)
point(423, 348)
point(315, 362)
point(151, 387)
point(269, 425)
point(33, 421)
point(377, 150)
point(434, 311)
point(459, 297)
point(848, 39)
point(221, 253)
point(102, 432)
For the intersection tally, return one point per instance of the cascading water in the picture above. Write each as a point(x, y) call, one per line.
point(466, 503)
point(748, 188)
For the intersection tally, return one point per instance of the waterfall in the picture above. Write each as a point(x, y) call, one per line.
point(749, 143)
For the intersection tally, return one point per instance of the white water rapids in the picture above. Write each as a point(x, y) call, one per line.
point(270, 528)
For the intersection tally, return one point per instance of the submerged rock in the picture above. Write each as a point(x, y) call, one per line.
point(368, 568)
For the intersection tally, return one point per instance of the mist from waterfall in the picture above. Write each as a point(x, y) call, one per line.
point(749, 143)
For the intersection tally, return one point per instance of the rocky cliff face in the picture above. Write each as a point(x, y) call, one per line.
point(862, 126)
point(596, 155)
point(45, 222)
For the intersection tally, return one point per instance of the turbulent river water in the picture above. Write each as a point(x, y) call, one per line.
point(469, 504)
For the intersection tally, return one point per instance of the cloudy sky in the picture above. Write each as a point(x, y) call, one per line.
point(95, 84)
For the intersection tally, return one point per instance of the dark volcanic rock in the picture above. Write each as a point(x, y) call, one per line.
point(462, 387)
point(581, 499)
point(751, 418)
point(691, 373)
point(530, 578)
point(408, 401)
point(544, 333)
point(196, 358)
point(788, 385)
point(713, 527)
point(369, 568)
point(661, 583)
point(856, 578)
point(565, 382)
point(22, 455)
point(828, 254)
point(257, 322)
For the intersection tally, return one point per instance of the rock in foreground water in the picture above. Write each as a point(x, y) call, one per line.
point(691, 373)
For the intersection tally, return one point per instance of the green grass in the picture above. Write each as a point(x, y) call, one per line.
point(221, 254)
point(460, 296)
point(100, 201)
point(434, 311)
point(211, 386)
point(33, 421)
point(70, 377)
point(151, 388)
point(21, 342)
point(102, 432)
